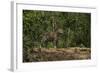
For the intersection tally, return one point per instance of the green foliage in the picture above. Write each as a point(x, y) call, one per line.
point(76, 28)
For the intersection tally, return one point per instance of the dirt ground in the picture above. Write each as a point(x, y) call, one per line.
point(53, 54)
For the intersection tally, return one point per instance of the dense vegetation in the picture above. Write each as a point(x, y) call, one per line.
point(76, 29)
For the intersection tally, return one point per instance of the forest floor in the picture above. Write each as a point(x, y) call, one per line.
point(58, 54)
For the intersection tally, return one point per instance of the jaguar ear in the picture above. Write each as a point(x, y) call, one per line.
point(60, 31)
